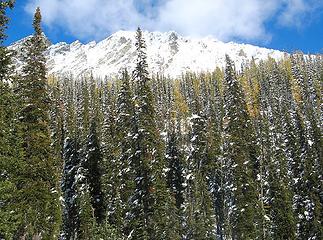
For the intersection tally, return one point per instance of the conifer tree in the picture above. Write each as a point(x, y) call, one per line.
point(174, 155)
point(124, 130)
point(57, 119)
point(264, 134)
point(67, 106)
point(81, 107)
point(5, 58)
point(215, 154)
point(92, 163)
point(241, 200)
point(198, 210)
point(111, 170)
point(69, 189)
point(153, 214)
point(305, 150)
point(38, 187)
point(107, 232)
point(296, 147)
point(10, 151)
point(87, 224)
point(278, 192)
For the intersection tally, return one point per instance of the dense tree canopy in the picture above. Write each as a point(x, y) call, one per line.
point(229, 154)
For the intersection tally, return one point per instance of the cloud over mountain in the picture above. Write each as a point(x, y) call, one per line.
point(225, 20)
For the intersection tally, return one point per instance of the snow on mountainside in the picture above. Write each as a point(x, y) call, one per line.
point(167, 53)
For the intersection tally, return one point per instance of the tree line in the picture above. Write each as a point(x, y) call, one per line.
point(222, 155)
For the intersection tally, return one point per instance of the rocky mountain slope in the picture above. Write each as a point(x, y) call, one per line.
point(168, 53)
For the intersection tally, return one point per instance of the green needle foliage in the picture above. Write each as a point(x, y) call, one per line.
point(222, 155)
point(38, 188)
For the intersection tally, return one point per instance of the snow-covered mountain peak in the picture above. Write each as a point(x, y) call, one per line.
point(167, 53)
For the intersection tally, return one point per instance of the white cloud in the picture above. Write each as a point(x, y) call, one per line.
point(298, 12)
point(224, 19)
point(88, 19)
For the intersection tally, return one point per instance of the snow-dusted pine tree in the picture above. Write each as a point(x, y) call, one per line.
point(38, 186)
point(240, 155)
point(199, 216)
point(153, 214)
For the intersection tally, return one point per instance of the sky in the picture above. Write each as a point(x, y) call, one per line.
point(287, 25)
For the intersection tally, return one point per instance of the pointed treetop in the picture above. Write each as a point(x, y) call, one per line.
point(141, 71)
point(228, 61)
point(3, 18)
point(37, 21)
point(140, 44)
point(230, 73)
point(139, 31)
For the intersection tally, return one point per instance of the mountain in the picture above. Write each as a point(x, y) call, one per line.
point(168, 53)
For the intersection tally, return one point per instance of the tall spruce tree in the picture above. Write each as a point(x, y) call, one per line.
point(5, 58)
point(10, 151)
point(275, 192)
point(87, 225)
point(174, 156)
point(111, 165)
point(280, 195)
point(215, 155)
point(176, 166)
point(199, 215)
point(69, 189)
point(57, 119)
point(264, 133)
point(38, 182)
point(306, 149)
point(241, 200)
point(153, 214)
point(124, 129)
point(92, 163)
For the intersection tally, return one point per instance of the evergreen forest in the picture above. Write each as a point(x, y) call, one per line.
point(228, 154)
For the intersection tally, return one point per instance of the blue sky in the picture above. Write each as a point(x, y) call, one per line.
point(287, 25)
